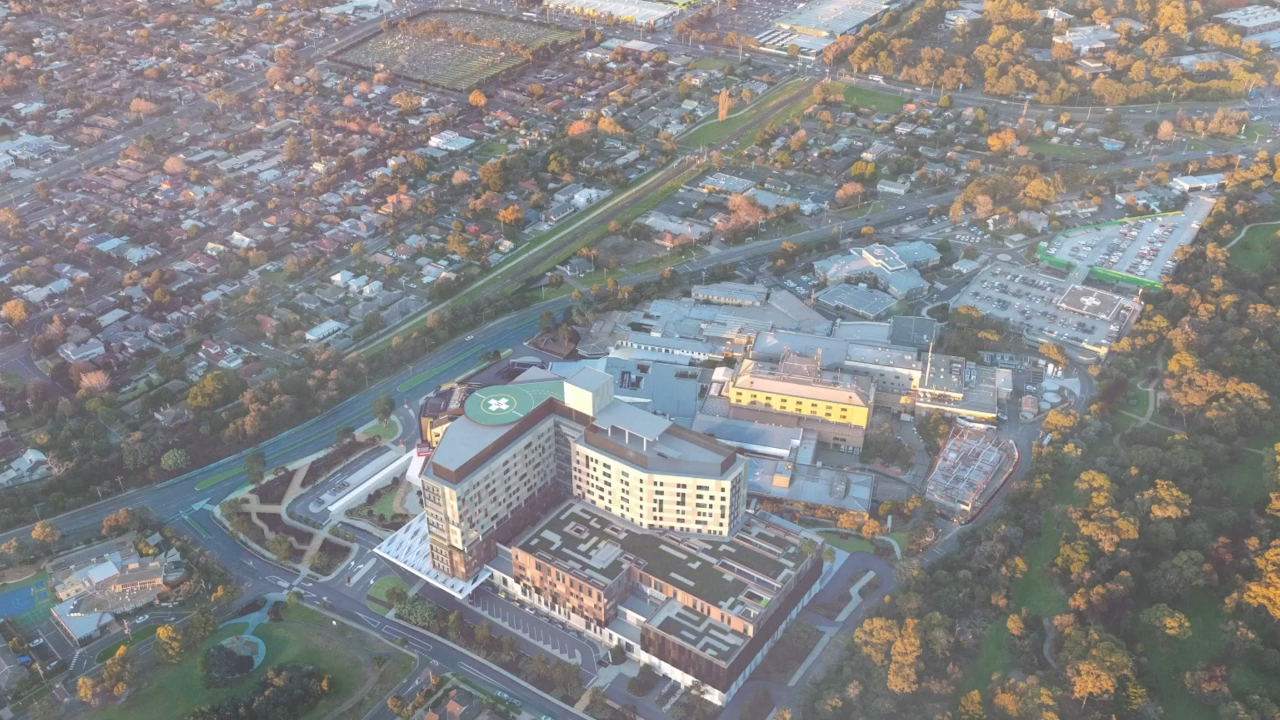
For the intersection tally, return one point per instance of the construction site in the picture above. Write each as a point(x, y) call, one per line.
point(972, 466)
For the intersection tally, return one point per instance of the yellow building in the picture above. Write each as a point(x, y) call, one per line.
point(797, 385)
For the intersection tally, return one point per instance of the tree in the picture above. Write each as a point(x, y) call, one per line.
point(280, 547)
point(904, 656)
point(406, 101)
point(12, 548)
point(201, 625)
point(87, 689)
point(220, 664)
point(1055, 354)
point(510, 215)
point(175, 165)
point(1264, 592)
point(477, 99)
point(383, 408)
point(169, 644)
point(221, 98)
point(45, 532)
point(971, 706)
point(254, 465)
point(15, 311)
point(118, 522)
point(175, 459)
point(292, 150)
point(828, 554)
point(725, 104)
point(1167, 621)
point(226, 594)
point(1002, 141)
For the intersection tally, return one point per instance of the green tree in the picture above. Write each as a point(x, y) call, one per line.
point(254, 466)
point(175, 459)
point(383, 408)
point(280, 547)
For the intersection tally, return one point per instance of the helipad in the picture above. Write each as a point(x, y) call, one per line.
point(503, 404)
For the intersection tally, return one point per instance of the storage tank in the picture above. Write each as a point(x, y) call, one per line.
point(1050, 386)
point(1045, 406)
point(1051, 398)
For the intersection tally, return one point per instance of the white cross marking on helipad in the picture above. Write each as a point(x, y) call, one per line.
point(499, 404)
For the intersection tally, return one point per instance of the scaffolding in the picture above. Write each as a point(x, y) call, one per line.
point(969, 461)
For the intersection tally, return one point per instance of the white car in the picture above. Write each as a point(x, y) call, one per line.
point(36, 643)
point(141, 619)
point(902, 207)
point(470, 338)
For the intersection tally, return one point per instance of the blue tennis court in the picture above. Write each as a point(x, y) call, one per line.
point(18, 602)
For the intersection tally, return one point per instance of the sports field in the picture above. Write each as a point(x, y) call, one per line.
point(27, 601)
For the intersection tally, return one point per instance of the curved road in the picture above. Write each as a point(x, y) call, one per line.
point(215, 481)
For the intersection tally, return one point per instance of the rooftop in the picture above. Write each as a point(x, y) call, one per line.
point(739, 574)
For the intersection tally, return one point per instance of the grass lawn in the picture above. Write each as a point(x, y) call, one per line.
point(1064, 151)
point(1244, 479)
point(849, 545)
point(109, 651)
point(598, 277)
point(713, 131)
point(875, 99)
point(306, 637)
point(1253, 130)
point(215, 479)
point(379, 591)
point(710, 63)
point(386, 430)
point(1168, 661)
point(1253, 251)
point(385, 503)
point(41, 611)
point(665, 261)
point(993, 657)
point(389, 676)
point(536, 296)
point(792, 648)
point(171, 691)
point(492, 149)
point(1035, 589)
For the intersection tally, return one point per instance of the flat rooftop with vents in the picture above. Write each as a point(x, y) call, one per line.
point(739, 574)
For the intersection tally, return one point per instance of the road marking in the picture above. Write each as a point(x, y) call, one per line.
point(395, 632)
point(373, 623)
point(197, 527)
point(476, 672)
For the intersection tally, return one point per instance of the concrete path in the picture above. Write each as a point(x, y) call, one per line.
point(1244, 230)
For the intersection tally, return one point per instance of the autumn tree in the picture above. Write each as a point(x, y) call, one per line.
point(725, 104)
point(1167, 621)
point(1002, 141)
point(971, 706)
point(169, 643)
point(477, 99)
point(15, 311)
point(175, 165)
point(1264, 592)
point(45, 532)
point(904, 658)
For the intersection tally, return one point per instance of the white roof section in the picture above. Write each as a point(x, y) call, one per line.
point(630, 420)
